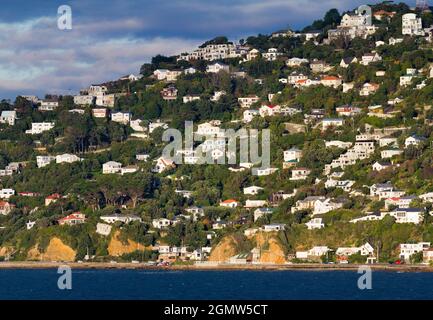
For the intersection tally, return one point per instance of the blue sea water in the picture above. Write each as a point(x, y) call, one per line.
point(211, 285)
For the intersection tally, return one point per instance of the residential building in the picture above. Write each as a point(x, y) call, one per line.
point(331, 123)
point(123, 218)
point(274, 227)
point(121, 117)
point(253, 190)
point(8, 117)
point(83, 100)
point(73, 219)
point(6, 207)
point(217, 67)
point(316, 223)
point(370, 58)
point(48, 105)
point(230, 203)
point(412, 25)
point(368, 89)
point(169, 93)
point(67, 158)
point(111, 167)
point(163, 164)
point(42, 161)
point(409, 249)
point(414, 141)
point(300, 174)
point(6, 193)
point(248, 101)
point(190, 98)
point(100, 112)
point(40, 127)
point(293, 154)
point(52, 199)
point(261, 212)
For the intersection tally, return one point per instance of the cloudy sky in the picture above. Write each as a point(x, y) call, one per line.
point(110, 39)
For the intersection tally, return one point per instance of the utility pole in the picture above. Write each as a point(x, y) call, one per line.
point(378, 248)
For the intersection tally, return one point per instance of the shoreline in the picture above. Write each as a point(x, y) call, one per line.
point(215, 267)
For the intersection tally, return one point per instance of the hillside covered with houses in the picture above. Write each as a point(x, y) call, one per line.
point(348, 101)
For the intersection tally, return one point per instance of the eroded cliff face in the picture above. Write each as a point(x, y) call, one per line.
point(271, 250)
point(224, 250)
point(56, 251)
point(116, 248)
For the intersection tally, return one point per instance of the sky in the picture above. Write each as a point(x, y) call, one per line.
point(110, 39)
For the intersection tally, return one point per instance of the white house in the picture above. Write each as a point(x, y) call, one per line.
point(368, 88)
point(253, 190)
point(39, 127)
point(364, 250)
point(249, 115)
point(370, 58)
point(67, 158)
point(8, 117)
point(6, 193)
point(160, 74)
point(128, 169)
point(427, 197)
point(207, 129)
point(296, 76)
point(272, 54)
point(316, 223)
point(161, 223)
point(381, 165)
point(83, 100)
point(412, 25)
point(255, 203)
point(325, 206)
point(317, 251)
point(296, 62)
point(338, 144)
point(43, 161)
point(413, 141)
point(389, 153)
point(158, 124)
point(409, 249)
point(248, 101)
point(217, 96)
point(261, 212)
point(217, 67)
point(264, 171)
point(99, 112)
point(110, 219)
point(273, 227)
point(190, 98)
point(300, 174)
point(121, 117)
point(163, 164)
point(292, 155)
point(48, 105)
point(331, 81)
point(406, 80)
point(408, 215)
point(111, 167)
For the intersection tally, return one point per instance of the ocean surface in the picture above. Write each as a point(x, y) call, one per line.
point(211, 285)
